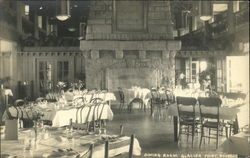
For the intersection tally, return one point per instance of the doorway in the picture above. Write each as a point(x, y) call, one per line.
point(51, 71)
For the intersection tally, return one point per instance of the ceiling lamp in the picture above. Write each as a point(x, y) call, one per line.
point(63, 10)
point(205, 10)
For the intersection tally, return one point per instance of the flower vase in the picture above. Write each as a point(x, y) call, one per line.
point(62, 91)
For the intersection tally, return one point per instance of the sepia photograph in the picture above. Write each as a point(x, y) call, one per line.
point(124, 79)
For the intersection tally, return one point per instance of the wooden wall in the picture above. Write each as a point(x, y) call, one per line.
point(8, 63)
point(27, 67)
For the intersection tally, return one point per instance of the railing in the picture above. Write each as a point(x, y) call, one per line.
point(220, 26)
point(50, 41)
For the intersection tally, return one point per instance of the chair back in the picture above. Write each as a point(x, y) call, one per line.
point(155, 97)
point(19, 102)
point(209, 107)
point(170, 96)
point(183, 102)
point(115, 145)
point(96, 100)
point(78, 101)
point(79, 123)
point(88, 153)
point(121, 95)
point(40, 99)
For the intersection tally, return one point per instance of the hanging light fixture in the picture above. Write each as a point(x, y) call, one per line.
point(63, 10)
point(205, 10)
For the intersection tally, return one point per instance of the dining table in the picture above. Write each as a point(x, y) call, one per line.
point(53, 142)
point(225, 113)
point(136, 92)
point(60, 114)
point(104, 95)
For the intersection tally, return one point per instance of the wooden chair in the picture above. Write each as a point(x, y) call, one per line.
point(88, 153)
point(40, 99)
point(156, 103)
point(187, 118)
point(208, 119)
point(19, 102)
point(79, 123)
point(136, 101)
point(111, 146)
point(96, 121)
point(170, 97)
point(96, 100)
point(122, 99)
point(78, 101)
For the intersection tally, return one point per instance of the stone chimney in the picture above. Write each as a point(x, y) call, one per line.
point(129, 43)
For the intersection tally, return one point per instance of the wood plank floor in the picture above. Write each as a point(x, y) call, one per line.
point(156, 136)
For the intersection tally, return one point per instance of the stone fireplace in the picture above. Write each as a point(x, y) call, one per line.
point(129, 43)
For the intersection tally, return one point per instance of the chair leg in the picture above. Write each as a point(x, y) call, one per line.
point(121, 106)
point(193, 128)
point(217, 138)
point(226, 131)
point(180, 132)
point(209, 130)
point(230, 130)
point(87, 126)
point(159, 112)
point(202, 130)
point(151, 109)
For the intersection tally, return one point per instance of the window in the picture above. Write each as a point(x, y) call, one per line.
point(187, 70)
point(45, 76)
point(40, 21)
point(194, 72)
point(26, 10)
point(220, 85)
point(63, 71)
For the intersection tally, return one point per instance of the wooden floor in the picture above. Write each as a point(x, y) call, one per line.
point(156, 136)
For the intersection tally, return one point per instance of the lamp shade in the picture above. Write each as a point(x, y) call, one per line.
point(8, 92)
point(205, 10)
point(63, 10)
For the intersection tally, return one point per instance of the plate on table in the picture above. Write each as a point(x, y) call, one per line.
point(61, 153)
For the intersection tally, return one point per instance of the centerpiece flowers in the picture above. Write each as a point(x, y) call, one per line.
point(79, 85)
point(61, 85)
point(35, 115)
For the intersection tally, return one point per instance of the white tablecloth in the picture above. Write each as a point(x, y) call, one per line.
point(106, 96)
point(225, 112)
point(141, 93)
point(189, 93)
point(58, 140)
point(61, 117)
point(89, 113)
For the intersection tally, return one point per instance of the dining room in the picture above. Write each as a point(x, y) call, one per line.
point(124, 78)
